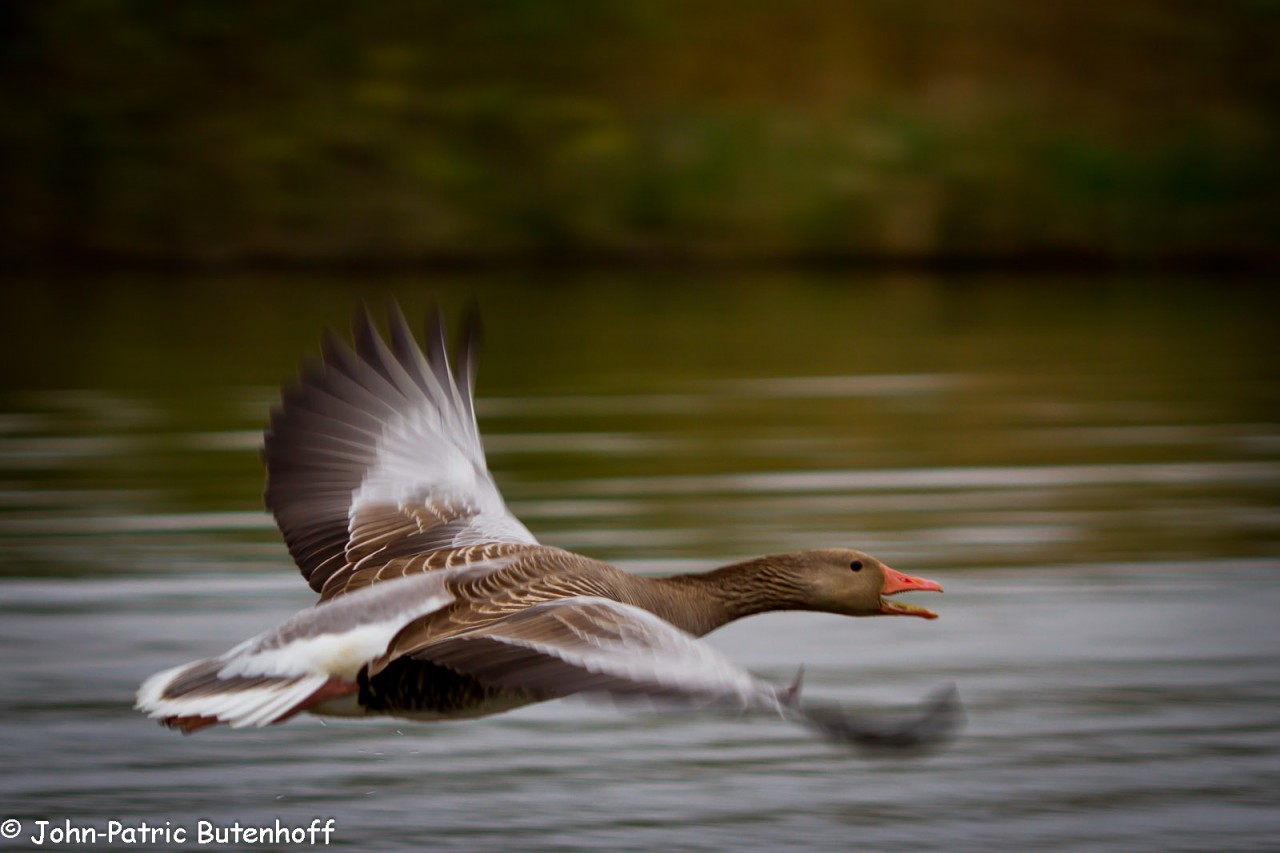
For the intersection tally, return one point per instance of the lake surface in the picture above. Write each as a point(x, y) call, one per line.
point(1091, 469)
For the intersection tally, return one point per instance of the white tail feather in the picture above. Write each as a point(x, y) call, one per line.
point(234, 701)
point(271, 676)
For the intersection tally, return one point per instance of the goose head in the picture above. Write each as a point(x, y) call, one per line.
point(854, 583)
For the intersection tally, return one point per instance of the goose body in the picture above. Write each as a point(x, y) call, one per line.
point(436, 602)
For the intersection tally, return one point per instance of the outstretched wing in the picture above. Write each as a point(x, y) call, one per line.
point(589, 644)
point(375, 456)
point(586, 644)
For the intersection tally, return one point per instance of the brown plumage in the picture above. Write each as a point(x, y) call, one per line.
point(436, 602)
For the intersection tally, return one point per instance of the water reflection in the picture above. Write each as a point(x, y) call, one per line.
point(1103, 511)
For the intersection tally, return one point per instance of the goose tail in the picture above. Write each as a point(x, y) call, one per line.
point(208, 692)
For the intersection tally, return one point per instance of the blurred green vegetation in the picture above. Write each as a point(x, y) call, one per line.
point(400, 132)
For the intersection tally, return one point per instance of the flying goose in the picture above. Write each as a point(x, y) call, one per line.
point(436, 602)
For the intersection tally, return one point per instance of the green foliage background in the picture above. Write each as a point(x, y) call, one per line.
point(400, 132)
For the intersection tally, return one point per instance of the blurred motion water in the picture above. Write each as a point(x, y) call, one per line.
point(1092, 470)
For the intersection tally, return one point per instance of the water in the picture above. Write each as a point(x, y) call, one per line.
point(1091, 470)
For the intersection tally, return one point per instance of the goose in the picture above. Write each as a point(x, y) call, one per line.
point(436, 602)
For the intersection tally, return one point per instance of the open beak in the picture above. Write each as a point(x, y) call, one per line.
point(896, 582)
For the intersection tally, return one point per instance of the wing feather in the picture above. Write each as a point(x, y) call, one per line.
point(589, 644)
point(375, 454)
point(585, 644)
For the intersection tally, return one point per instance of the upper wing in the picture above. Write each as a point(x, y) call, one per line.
point(591, 644)
point(375, 454)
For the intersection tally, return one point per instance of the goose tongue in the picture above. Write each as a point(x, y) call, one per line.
point(895, 582)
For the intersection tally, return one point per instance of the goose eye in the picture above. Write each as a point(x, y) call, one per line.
point(856, 565)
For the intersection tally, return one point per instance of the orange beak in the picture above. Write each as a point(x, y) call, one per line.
point(896, 582)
